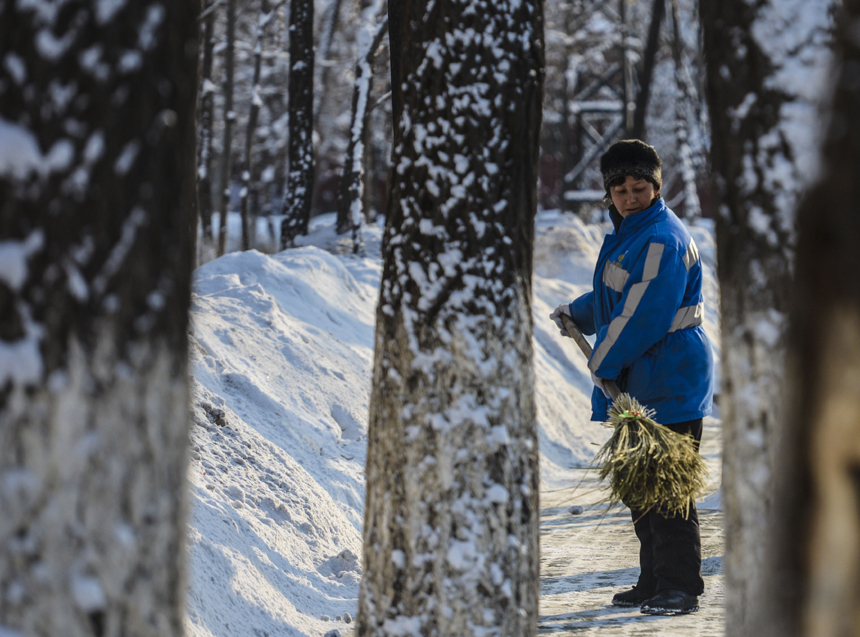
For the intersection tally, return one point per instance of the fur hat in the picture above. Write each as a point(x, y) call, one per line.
point(631, 158)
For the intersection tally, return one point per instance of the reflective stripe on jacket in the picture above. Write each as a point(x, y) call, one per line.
point(647, 311)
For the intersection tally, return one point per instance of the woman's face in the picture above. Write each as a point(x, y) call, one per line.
point(634, 195)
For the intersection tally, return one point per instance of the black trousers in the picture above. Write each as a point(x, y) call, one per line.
point(670, 549)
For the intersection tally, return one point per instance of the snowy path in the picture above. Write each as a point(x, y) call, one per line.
point(586, 559)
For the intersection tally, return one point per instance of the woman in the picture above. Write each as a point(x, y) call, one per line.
point(646, 310)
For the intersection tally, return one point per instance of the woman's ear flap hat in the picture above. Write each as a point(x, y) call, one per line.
point(631, 158)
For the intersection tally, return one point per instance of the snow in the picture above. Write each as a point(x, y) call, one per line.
point(107, 9)
point(53, 48)
point(146, 36)
point(21, 361)
point(88, 593)
point(19, 150)
point(16, 67)
point(13, 258)
point(282, 351)
point(118, 253)
point(126, 158)
point(802, 57)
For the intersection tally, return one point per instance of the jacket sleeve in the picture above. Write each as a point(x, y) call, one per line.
point(650, 298)
point(582, 312)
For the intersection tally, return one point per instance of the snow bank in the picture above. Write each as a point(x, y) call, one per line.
point(282, 353)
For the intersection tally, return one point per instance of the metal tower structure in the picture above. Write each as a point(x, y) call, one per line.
point(603, 109)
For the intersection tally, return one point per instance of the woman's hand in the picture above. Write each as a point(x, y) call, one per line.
point(564, 308)
point(598, 382)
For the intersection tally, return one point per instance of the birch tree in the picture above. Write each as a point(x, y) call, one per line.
point(451, 518)
point(349, 212)
point(300, 179)
point(97, 183)
point(765, 67)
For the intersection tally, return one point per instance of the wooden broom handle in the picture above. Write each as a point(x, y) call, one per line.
point(585, 346)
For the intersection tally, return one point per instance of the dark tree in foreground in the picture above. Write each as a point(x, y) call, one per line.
point(813, 576)
point(451, 519)
point(300, 179)
point(765, 63)
point(96, 199)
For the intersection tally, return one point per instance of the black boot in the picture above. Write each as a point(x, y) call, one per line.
point(671, 603)
point(634, 597)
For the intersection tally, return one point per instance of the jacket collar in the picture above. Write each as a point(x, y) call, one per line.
point(635, 222)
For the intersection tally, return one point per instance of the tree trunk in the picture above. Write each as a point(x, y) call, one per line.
point(206, 122)
point(249, 180)
point(451, 518)
point(628, 95)
point(813, 581)
point(326, 39)
point(229, 118)
point(376, 164)
point(349, 211)
point(692, 208)
point(300, 181)
point(646, 71)
point(95, 207)
point(764, 68)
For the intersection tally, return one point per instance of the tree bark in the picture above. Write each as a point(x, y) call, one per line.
point(812, 587)
point(97, 253)
point(249, 180)
point(206, 122)
point(764, 67)
point(646, 71)
point(229, 118)
point(300, 180)
point(692, 208)
point(451, 518)
point(326, 40)
point(349, 212)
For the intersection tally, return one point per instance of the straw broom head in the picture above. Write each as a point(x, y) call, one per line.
point(649, 465)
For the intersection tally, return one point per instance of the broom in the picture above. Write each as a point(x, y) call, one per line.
point(648, 465)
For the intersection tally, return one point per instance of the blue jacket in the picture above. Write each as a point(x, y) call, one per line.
point(647, 310)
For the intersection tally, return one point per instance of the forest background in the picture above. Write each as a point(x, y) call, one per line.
point(245, 108)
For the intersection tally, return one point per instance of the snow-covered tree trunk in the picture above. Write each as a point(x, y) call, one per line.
point(765, 63)
point(97, 183)
point(249, 180)
point(646, 69)
point(376, 159)
point(369, 38)
point(323, 68)
point(300, 180)
point(692, 207)
point(813, 575)
point(229, 119)
point(451, 518)
point(206, 121)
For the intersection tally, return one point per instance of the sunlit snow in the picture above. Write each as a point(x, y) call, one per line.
point(282, 353)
